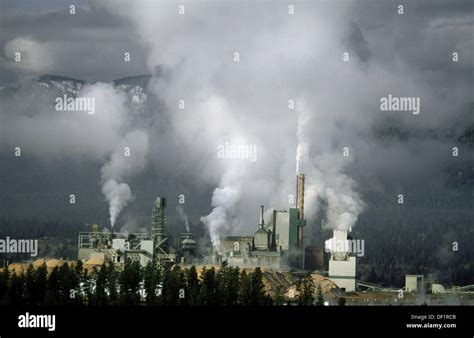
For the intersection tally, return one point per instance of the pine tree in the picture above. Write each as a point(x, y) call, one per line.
point(87, 287)
point(75, 275)
point(233, 286)
point(151, 280)
point(30, 286)
point(52, 296)
point(221, 286)
point(245, 289)
point(112, 276)
point(202, 288)
point(193, 285)
point(279, 296)
point(100, 292)
point(4, 282)
point(40, 284)
point(183, 291)
point(257, 293)
point(319, 296)
point(129, 281)
point(15, 291)
point(306, 290)
point(170, 290)
point(67, 285)
point(209, 288)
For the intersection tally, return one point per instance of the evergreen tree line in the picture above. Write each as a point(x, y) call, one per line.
point(150, 285)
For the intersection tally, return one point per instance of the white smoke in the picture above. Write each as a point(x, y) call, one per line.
point(118, 195)
point(302, 150)
point(344, 203)
point(326, 180)
point(247, 100)
point(330, 184)
point(223, 217)
point(183, 216)
point(128, 160)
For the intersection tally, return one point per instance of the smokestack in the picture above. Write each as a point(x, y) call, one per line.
point(111, 237)
point(261, 217)
point(300, 206)
point(274, 231)
point(300, 195)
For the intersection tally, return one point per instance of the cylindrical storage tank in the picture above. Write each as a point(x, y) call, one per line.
point(261, 240)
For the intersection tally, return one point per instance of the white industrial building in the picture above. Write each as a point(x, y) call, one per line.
point(342, 265)
point(414, 283)
point(281, 219)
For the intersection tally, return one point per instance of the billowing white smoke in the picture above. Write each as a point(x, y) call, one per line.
point(128, 160)
point(223, 217)
point(344, 204)
point(302, 151)
point(227, 99)
point(325, 180)
point(118, 195)
point(183, 216)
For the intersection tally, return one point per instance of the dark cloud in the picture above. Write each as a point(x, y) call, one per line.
point(88, 45)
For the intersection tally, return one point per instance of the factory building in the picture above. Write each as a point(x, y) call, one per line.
point(281, 224)
point(315, 258)
point(279, 245)
point(262, 238)
point(187, 247)
point(161, 249)
point(109, 246)
point(342, 264)
point(414, 283)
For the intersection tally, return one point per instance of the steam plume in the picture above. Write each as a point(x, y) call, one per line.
point(183, 216)
point(224, 200)
point(126, 161)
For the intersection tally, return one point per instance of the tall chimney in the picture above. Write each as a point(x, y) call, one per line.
point(274, 231)
point(111, 236)
point(300, 206)
point(261, 217)
point(300, 195)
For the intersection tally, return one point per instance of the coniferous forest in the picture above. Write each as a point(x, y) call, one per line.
point(72, 285)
